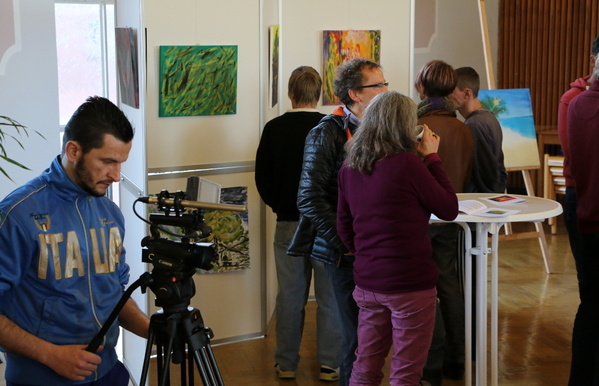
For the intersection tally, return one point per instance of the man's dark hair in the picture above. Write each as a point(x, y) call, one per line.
point(437, 78)
point(595, 49)
point(468, 78)
point(349, 77)
point(95, 118)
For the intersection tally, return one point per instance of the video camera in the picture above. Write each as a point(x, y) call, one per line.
point(176, 261)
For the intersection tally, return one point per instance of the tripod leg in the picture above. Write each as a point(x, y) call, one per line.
point(186, 369)
point(210, 355)
point(190, 374)
point(197, 338)
point(171, 331)
point(206, 372)
point(146, 363)
point(160, 368)
point(204, 358)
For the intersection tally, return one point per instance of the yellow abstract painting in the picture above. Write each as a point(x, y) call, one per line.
point(341, 46)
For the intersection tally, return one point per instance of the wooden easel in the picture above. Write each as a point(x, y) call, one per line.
point(539, 232)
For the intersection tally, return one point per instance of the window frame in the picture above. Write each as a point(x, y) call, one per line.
point(106, 79)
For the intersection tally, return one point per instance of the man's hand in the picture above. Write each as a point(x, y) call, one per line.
point(73, 362)
point(70, 361)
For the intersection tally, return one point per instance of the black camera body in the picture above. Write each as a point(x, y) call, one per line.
point(176, 256)
point(174, 264)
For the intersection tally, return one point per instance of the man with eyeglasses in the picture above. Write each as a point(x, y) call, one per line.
point(356, 83)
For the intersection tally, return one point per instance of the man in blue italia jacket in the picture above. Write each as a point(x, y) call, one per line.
point(62, 262)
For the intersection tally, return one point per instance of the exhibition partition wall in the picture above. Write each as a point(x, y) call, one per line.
point(221, 147)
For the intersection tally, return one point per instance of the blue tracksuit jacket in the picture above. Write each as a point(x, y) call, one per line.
point(62, 269)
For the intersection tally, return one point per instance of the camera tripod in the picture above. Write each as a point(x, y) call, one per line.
point(175, 332)
point(178, 332)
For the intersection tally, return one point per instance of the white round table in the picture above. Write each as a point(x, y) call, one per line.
point(535, 209)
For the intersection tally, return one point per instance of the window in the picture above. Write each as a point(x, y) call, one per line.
point(85, 52)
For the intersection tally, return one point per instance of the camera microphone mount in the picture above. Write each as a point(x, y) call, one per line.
point(179, 202)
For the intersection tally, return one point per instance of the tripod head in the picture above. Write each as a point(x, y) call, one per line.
point(174, 264)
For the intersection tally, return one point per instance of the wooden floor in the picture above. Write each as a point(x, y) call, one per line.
point(536, 313)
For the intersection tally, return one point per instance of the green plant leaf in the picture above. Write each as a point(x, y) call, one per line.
point(7, 176)
point(4, 136)
point(12, 161)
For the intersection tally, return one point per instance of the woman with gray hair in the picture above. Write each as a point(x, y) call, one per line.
point(389, 185)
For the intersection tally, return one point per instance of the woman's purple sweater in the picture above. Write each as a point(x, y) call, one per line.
point(383, 220)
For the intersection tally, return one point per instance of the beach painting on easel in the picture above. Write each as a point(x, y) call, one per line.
point(513, 109)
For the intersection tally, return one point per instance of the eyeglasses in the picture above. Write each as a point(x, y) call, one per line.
point(376, 85)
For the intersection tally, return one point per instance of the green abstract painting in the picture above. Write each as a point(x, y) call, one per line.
point(198, 80)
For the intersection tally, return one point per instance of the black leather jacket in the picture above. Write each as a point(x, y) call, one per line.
point(316, 234)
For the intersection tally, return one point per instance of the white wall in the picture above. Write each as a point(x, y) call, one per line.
point(457, 37)
point(303, 23)
point(270, 12)
point(29, 91)
point(177, 141)
point(232, 303)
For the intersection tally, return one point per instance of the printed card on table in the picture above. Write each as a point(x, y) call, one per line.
point(505, 199)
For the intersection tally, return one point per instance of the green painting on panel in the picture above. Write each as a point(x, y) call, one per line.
point(198, 80)
point(274, 64)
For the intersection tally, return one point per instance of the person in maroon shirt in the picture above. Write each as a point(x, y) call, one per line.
point(583, 136)
point(570, 200)
point(388, 187)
